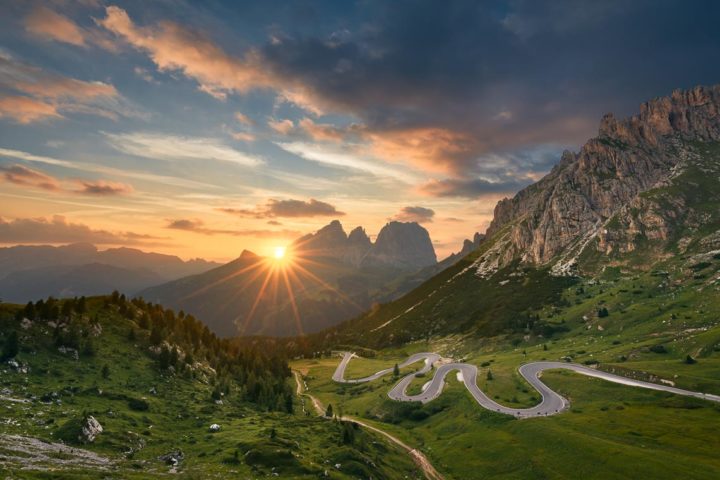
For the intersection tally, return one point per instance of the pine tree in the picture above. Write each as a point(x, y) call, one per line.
point(489, 375)
point(12, 346)
point(329, 411)
point(155, 335)
point(105, 371)
point(396, 370)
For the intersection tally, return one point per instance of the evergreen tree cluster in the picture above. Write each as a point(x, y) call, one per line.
point(248, 371)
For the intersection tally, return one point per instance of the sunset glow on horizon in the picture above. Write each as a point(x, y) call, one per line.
point(203, 130)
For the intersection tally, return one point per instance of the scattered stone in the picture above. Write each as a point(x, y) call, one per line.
point(214, 427)
point(26, 324)
point(173, 458)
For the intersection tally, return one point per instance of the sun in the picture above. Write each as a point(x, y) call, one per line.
point(279, 253)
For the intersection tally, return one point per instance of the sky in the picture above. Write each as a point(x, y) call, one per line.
point(204, 128)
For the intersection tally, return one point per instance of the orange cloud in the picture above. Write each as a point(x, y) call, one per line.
point(39, 95)
point(46, 23)
point(103, 188)
point(321, 131)
point(198, 226)
point(289, 208)
point(27, 110)
point(243, 136)
point(434, 149)
point(59, 230)
point(21, 175)
point(283, 127)
point(173, 47)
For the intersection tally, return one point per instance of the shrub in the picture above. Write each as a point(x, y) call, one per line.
point(658, 349)
point(138, 404)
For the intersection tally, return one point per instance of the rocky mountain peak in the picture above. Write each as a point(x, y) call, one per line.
point(359, 237)
point(402, 245)
point(399, 245)
point(556, 218)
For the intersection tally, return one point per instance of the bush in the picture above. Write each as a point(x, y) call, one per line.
point(12, 346)
point(138, 404)
point(658, 349)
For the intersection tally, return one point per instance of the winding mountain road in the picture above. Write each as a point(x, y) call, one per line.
point(552, 403)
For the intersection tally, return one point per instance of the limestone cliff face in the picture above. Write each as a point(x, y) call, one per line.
point(558, 217)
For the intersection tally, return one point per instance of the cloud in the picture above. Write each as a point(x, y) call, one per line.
point(51, 25)
point(47, 24)
point(347, 157)
point(470, 188)
point(283, 127)
point(21, 175)
point(103, 188)
point(171, 147)
point(175, 48)
point(322, 131)
point(288, 209)
point(25, 176)
point(244, 119)
point(243, 136)
point(300, 208)
point(90, 167)
point(415, 214)
point(26, 110)
point(60, 230)
point(145, 75)
point(198, 226)
point(29, 94)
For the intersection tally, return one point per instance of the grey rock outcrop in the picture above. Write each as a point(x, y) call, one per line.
point(90, 429)
point(558, 217)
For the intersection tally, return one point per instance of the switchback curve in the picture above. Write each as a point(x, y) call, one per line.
point(552, 403)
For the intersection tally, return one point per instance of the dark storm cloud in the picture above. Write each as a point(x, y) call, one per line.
point(503, 75)
point(470, 188)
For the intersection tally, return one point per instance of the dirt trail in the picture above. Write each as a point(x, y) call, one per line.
point(418, 457)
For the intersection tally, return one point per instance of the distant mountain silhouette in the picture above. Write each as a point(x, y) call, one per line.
point(336, 276)
point(32, 272)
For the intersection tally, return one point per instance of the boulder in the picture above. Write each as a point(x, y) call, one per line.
point(90, 429)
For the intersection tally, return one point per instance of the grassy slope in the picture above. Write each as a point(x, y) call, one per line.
point(611, 431)
point(179, 416)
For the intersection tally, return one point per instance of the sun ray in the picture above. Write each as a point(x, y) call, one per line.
point(250, 267)
point(291, 295)
point(258, 297)
point(319, 280)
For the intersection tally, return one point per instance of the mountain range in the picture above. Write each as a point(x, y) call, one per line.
point(641, 198)
point(29, 272)
point(334, 277)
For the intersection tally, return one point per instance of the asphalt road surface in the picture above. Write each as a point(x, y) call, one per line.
point(552, 403)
